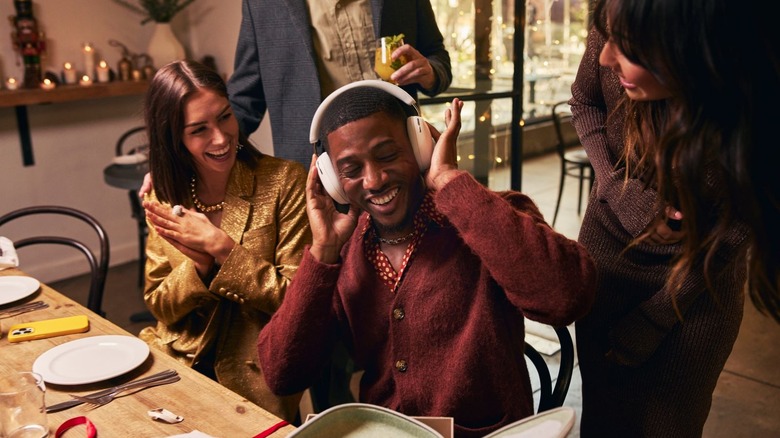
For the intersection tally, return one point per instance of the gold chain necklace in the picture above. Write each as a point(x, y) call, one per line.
point(199, 205)
point(397, 240)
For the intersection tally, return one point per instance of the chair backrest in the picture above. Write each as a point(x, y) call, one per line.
point(98, 265)
point(132, 141)
point(554, 396)
point(564, 132)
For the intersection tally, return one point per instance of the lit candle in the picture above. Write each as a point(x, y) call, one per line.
point(102, 71)
point(69, 73)
point(47, 84)
point(136, 75)
point(12, 83)
point(89, 60)
point(85, 81)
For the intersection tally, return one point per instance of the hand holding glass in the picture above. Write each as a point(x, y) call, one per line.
point(384, 65)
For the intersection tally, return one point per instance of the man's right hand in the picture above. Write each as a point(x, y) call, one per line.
point(330, 229)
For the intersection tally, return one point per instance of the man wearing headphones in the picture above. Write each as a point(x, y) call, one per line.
point(426, 278)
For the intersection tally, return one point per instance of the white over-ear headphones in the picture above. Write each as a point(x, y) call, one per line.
point(419, 135)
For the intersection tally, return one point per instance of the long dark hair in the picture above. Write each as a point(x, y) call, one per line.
point(170, 163)
point(701, 148)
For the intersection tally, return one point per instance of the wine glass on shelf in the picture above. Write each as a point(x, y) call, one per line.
point(384, 65)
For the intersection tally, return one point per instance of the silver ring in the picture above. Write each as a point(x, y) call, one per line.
point(178, 210)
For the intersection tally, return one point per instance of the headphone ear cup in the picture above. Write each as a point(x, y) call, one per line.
point(421, 139)
point(330, 180)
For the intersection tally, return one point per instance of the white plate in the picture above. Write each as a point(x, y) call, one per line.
point(92, 359)
point(16, 287)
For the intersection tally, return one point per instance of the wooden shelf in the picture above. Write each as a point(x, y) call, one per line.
point(68, 93)
point(21, 98)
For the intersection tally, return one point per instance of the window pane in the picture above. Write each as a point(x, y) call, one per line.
point(479, 35)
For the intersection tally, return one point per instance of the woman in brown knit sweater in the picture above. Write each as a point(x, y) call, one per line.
point(655, 342)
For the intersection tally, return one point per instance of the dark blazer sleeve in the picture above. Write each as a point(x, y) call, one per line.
point(245, 86)
point(431, 44)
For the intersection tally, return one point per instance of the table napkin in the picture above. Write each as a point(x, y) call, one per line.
point(8, 258)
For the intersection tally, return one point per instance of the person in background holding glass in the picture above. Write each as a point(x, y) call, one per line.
point(661, 122)
point(286, 62)
point(219, 261)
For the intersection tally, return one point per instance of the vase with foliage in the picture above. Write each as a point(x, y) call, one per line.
point(164, 46)
point(159, 11)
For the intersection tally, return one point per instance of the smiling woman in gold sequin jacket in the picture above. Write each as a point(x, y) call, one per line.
point(219, 262)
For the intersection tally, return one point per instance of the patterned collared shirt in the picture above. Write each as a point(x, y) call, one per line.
point(344, 42)
point(426, 216)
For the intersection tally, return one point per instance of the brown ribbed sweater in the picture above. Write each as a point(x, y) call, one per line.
point(456, 319)
point(674, 366)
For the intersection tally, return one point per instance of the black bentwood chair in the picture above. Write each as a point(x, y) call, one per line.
point(574, 161)
point(554, 396)
point(98, 265)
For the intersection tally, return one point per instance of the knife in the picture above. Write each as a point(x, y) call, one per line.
point(73, 402)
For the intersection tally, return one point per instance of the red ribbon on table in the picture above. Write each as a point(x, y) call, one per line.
point(92, 430)
point(271, 429)
point(77, 421)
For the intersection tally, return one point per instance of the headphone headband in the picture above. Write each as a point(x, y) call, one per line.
point(394, 90)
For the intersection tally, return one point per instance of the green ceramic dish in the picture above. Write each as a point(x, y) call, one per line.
point(555, 423)
point(360, 420)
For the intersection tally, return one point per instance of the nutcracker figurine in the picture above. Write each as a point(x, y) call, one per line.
point(29, 43)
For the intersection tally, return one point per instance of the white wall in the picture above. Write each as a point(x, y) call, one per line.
point(74, 141)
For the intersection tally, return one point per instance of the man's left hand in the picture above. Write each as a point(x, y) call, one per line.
point(444, 162)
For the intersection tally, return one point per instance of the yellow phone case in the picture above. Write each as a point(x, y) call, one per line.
point(28, 331)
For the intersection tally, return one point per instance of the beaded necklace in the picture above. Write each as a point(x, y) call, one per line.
point(199, 205)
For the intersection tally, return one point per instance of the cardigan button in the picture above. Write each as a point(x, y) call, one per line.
point(401, 365)
point(222, 290)
point(398, 314)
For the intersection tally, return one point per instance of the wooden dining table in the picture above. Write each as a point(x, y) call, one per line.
point(205, 405)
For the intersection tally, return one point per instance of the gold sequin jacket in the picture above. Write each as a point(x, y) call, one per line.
point(265, 214)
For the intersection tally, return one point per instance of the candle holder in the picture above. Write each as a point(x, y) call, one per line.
point(48, 84)
point(69, 75)
point(89, 59)
point(103, 73)
point(11, 83)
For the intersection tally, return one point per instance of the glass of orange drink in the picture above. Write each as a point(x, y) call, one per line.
point(384, 65)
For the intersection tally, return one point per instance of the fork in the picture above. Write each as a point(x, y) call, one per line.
point(22, 308)
point(96, 402)
point(73, 402)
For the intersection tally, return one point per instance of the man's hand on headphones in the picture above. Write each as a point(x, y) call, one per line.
point(330, 229)
point(444, 162)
